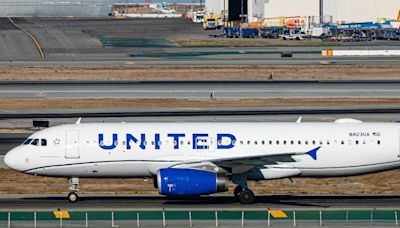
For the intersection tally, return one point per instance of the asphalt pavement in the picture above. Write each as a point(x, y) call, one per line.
point(204, 90)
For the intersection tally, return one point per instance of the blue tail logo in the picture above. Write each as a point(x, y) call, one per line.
point(313, 153)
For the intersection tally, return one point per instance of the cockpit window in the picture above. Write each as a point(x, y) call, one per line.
point(28, 141)
point(43, 142)
point(35, 142)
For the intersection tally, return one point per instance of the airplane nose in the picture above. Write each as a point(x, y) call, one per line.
point(12, 160)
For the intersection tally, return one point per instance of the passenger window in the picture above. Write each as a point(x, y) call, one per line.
point(277, 142)
point(43, 142)
point(263, 142)
point(28, 141)
point(299, 142)
point(292, 142)
point(35, 142)
point(255, 142)
point(284, 142)
point(379, 142)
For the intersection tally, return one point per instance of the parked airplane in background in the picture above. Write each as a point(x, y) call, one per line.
point(190, 159)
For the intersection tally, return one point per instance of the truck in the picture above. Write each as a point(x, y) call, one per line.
point(212, 22)
point(292, 34)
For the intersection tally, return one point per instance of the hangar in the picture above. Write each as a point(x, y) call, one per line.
point(337, 10)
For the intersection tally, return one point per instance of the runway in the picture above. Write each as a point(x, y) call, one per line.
point(215, 202)
point(201, 90)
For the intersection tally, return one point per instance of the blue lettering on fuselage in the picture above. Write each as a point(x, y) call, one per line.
point(199, 141)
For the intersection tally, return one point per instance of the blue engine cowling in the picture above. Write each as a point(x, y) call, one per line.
point(172, 181)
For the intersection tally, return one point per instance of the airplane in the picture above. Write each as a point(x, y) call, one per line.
point(201, 158)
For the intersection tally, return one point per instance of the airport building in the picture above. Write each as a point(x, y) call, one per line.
point(55, 8)
point(336, 10)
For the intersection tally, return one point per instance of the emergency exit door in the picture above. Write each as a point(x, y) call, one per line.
point(72, 144)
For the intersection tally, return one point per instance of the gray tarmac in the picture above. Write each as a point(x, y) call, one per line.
point(205, 90)
point(214, 202)
point(77, 42)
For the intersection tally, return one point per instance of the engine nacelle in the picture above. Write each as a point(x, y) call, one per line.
point(172, 181)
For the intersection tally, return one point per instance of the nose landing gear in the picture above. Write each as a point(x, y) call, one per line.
point(73, 190)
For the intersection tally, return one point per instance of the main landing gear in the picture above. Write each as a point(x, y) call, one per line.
point(73, 190)
point(242, 193)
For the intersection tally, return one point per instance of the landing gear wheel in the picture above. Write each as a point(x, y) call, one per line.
point(73, 197)
point(247, 197)
point(237, 191)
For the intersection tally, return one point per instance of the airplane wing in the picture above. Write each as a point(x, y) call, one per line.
point(253, 161)
point(263, 160)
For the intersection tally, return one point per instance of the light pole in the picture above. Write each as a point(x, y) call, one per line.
point(242, 20)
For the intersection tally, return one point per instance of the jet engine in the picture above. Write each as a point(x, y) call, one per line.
point(173, 181)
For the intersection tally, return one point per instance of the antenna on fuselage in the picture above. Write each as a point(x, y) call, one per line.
point(299, 119)
point(79, 120)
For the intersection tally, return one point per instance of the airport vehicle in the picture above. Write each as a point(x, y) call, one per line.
point(211, 22)
point(292, 34)
point(231, 32)
point(198, 17)
point(271, 32)
point(199, 158)
point(249, 32)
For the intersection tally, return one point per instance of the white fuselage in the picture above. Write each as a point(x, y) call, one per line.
point(141, 149)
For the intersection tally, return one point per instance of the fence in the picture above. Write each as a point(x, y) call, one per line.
point(198, 218)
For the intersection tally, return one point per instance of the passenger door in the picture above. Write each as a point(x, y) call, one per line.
point(399, 140)
point(72, 144)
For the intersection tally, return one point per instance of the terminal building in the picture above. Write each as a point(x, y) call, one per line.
point(336, 10)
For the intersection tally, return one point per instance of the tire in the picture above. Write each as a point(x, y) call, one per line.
point(73, 197)
point(247, 197)
point(237, 191)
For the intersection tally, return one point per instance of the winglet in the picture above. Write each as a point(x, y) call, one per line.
point(313, 153)
point(299, 119)
point(79, 120)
